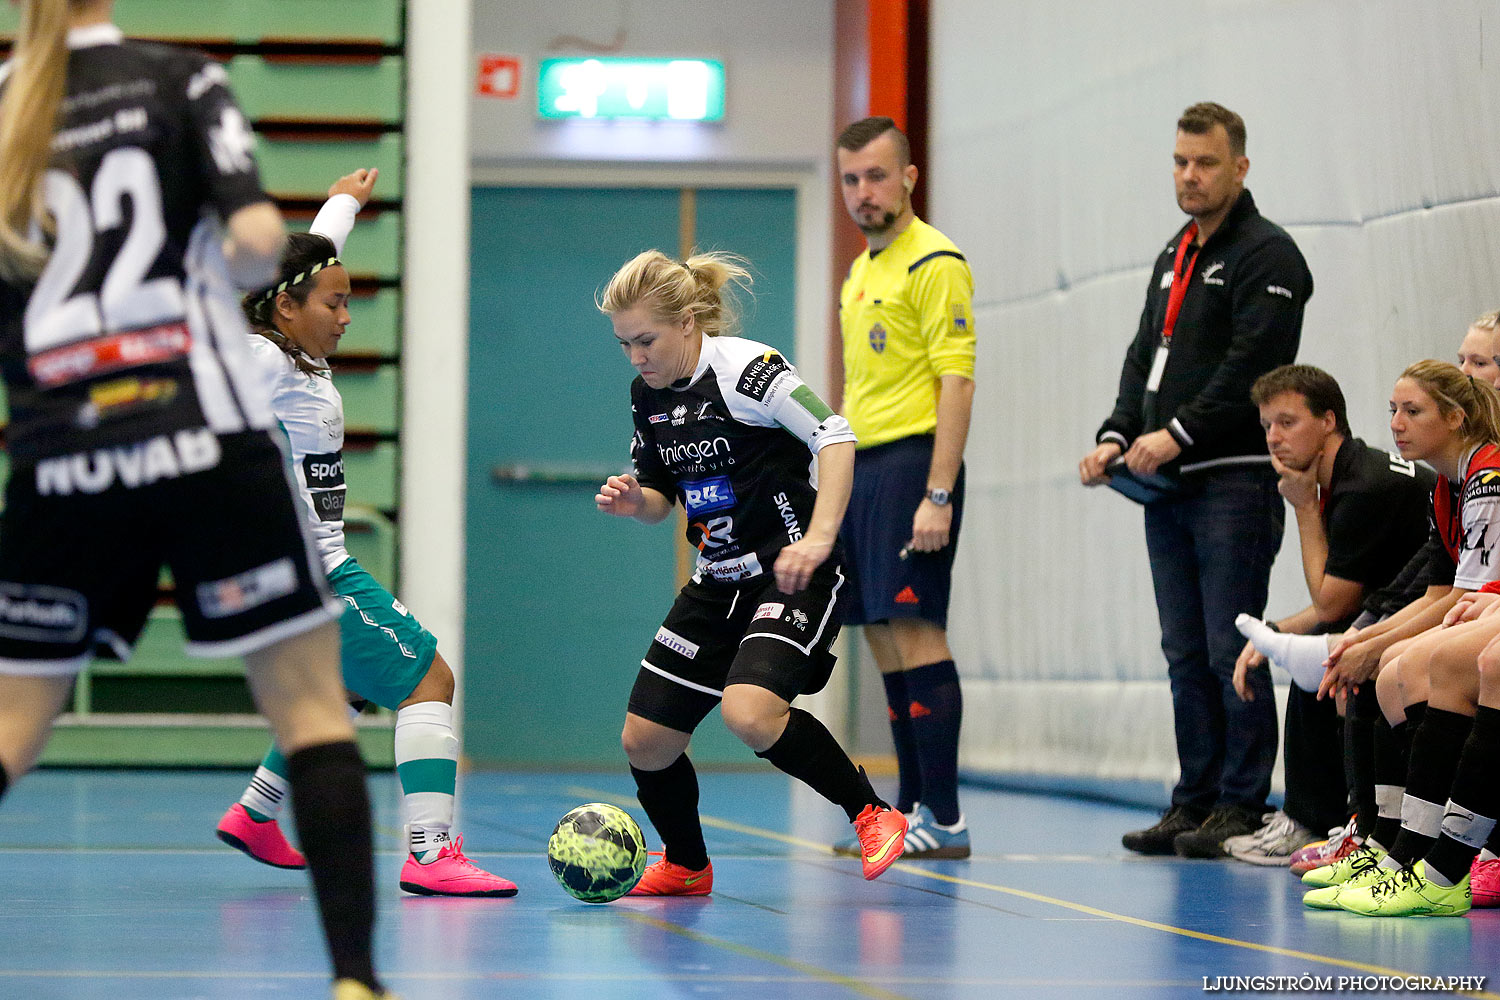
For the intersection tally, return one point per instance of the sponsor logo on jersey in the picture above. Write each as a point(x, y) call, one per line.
point(1211, 273)
point(877, 339)
point(799, 619)
point(742, 568)
point(324, 471)
point(211, 75)
point(124, 396)
point(399, 608)
point(788, 517)
point(133, 465)
point(770, 610)
point(716, 532)
point(693, 451)
point(960, 321)
point(679, 415)
point(676, 643)
point(39, 613)
point(758, 376)
point(657, 418)
point(1285, 293)
point(231, 142)
point(101, 355)
point(704, 496)
point(240, 593)
point(328, 504)
point(1485, 483)
point(706, 412)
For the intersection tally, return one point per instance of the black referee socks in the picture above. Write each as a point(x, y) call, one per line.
point(937, 710)
point(808, 752)
point(332, 808)
point(908, 764)
point(670, 798)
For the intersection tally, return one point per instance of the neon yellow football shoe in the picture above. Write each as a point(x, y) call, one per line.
point(1407, 893)
point(1327, 897)
point(1343, 869)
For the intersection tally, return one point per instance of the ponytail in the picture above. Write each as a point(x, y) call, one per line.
point(697, 285)
point(28, 119)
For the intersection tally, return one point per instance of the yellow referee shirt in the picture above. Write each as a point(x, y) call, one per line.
point(907, 319)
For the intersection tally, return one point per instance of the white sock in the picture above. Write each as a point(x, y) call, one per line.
point(266, 794)
point(427, 763)
point(1301, 656)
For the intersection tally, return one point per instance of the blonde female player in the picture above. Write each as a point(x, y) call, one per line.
point(725, 425)
point(387, 656)
point(1451, 421)
point(138, 428)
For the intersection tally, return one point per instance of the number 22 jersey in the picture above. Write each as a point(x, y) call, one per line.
point(128, 350)
point(731, 442)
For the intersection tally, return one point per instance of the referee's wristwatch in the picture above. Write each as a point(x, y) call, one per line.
point(938, 496)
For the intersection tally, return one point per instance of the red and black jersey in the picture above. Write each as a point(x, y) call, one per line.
point(1466, 519)
point(132, 330)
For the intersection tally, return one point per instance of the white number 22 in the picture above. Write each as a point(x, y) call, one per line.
point(125, 301)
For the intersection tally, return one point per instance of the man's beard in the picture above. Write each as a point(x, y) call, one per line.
point(883, 226)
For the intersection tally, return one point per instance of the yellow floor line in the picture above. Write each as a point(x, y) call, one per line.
point(923, 872)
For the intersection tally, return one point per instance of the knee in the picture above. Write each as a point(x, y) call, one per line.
point(755, 727)
point(644, 749)
point(1388, 680)
point(439, 680)
point(1448, 668)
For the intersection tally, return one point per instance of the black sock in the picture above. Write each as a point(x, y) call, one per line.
point(908, 765)
point(670, 798)
point(808, 752)
point(332, 808)
point(1359, 757)
point(1435, 748)
point(1474, 802)
point(1392, 761)
point(937, 709)
point(4, 781)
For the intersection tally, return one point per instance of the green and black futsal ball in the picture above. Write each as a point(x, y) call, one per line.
point(597, 852)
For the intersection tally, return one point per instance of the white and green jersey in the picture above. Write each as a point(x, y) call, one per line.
point(311, 411)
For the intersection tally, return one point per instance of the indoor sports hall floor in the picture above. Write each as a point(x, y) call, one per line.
point(112, 886)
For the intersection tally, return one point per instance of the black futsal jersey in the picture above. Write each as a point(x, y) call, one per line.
point(731, 443)
point(132, 334)
point(1375, 512)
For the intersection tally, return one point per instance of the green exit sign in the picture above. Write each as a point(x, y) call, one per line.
point(689, 90)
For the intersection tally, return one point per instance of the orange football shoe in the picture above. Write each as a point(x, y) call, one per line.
point(882, 838)
point(666, 879)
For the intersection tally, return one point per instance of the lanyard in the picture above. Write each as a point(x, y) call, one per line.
point(1180, 276)
point(1182, 273)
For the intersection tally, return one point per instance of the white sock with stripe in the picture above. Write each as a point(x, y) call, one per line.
point(427, 763)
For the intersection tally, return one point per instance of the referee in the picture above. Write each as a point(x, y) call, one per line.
point(908, 328)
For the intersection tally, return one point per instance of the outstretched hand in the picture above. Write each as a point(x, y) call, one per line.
point(359, 184)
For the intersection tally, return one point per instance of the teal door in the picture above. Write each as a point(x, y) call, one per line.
point(563, 600)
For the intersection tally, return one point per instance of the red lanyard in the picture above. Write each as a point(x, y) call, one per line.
point(1180, 277)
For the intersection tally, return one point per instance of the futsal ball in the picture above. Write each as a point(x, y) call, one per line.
point(597, 852)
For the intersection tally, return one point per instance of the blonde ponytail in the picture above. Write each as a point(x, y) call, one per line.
point(698, 285)
point(28, 118)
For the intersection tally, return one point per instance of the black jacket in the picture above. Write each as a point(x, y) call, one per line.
point(1241, 317)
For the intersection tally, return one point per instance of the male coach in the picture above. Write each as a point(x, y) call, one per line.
point(908, 327)
point(1223, 307)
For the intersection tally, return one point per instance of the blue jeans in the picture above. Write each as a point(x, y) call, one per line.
point(1211, 556)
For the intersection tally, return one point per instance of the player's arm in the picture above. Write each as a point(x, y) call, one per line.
point(254, 243)
point(796, 562)
point(624, 496)
point(942, 293)
point(346, 197)
point(1333, 597)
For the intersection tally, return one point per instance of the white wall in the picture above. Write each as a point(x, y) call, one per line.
point(1372, 138)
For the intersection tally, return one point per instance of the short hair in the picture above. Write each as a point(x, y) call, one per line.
point(867, 130)
point(1200, 119)
point(1319, 389)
